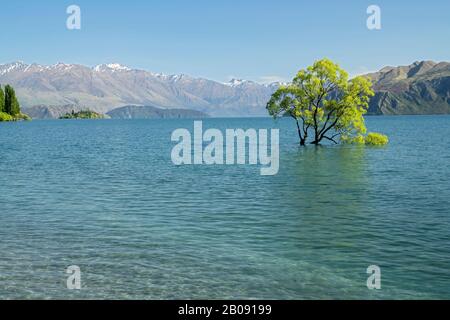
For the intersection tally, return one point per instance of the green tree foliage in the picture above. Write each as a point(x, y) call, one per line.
point(9, 106)
point(324, 103)
point(376, 139)
point(5, 117)
point(12, 106)
point(2, 100)
point(83, 114)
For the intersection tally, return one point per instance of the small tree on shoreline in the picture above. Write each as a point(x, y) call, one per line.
point(324, 103)
point(2, 100)
point(12, 106)
point(9, 106)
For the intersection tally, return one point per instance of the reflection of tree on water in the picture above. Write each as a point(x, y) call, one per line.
point(332, 178)
point(319, 182)
point(327, 205)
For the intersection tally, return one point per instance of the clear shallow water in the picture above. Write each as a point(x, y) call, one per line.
point(105, 196)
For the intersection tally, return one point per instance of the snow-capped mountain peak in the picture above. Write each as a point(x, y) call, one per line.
point(106, 86)
point(9, 67)
point(178, 77)
point(60, 66)
point(112, 67)
point(276, 85)
point(238, 82)
point(20, 66)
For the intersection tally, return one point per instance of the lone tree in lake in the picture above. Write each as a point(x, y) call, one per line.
point(326, 105)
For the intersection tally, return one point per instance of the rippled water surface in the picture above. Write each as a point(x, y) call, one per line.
point(104, 195)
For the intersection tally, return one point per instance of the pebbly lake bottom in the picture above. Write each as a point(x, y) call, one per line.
point(104, 195)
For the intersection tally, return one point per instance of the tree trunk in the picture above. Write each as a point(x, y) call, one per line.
point(302, 139)
point(317, 139)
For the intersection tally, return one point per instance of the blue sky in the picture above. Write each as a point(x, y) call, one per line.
point(258, 40)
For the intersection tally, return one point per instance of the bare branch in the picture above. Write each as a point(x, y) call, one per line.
point(331, 139)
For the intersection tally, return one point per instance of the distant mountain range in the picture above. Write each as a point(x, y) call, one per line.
point(49, 91)
point(106, 87)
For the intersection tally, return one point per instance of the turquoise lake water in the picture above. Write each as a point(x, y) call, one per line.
point(105, 196)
